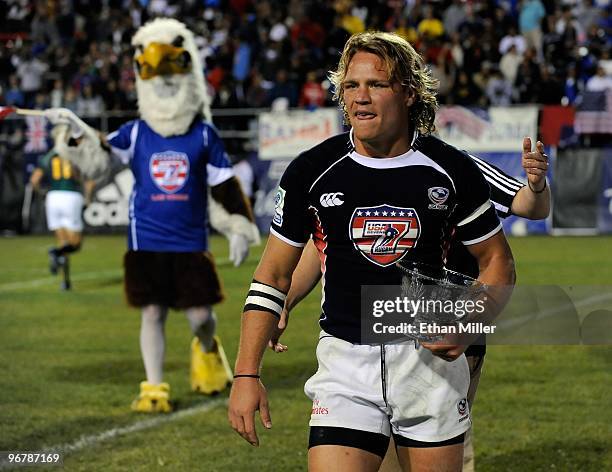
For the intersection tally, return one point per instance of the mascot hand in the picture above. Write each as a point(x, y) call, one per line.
point(64, 116)
point(59, 116)
point(239, 248)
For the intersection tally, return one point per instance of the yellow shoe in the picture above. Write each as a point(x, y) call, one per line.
point(210, 371)
point(153, 398)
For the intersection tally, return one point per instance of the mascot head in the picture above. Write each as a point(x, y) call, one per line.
point(169, 77)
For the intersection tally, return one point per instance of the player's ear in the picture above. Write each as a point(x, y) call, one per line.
point(408, 96)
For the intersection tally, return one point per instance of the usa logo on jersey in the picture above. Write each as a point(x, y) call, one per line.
point(383, 234)
point(169, 170)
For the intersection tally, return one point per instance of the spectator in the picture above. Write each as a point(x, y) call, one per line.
point(43, 28)
point(430, 26)
point(550, 89)
point(283, 88)
point(336, 38)
point(257, 95)
point(242, 60)
point(70, 99)
point(31, 71)
point(312, 94)
point(512, 39)
point(14, 96)
point(587, 14)
point(509, 64)
point(528, 79)
point(600, 81)
point(569, 30)
point(573, 86)
point(56, 96)
point(89, 104)
point(454, 15)
point(530, 19)
point(464, 92)
point(456, 50)
point(499, 90)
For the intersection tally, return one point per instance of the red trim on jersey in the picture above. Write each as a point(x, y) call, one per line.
point(320, 240)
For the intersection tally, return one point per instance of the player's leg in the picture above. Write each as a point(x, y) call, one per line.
point(390, 462)
point(71, 228)
point(475, 363)
point(53, 215)
point(430, 413)
point(55, 260)
point(364, 456)
point(197, 287)
point(64, 262)
point(71, 242)
point(427, 458)
point(349, 426)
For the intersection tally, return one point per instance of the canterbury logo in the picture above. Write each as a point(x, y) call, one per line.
point(331, 199)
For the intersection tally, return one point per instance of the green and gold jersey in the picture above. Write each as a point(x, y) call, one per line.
point(60, 172)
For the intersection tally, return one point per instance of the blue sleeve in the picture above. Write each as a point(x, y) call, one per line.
point(218, 166)
point(122, 141)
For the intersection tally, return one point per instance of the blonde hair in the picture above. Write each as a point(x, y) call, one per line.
point(404, 65)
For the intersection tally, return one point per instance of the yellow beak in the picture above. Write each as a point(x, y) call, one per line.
point(162, 59)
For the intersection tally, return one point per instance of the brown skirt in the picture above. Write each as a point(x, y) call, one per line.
point(173, 279)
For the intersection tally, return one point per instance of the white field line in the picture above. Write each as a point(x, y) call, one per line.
point(20, 285)
point(86, 442)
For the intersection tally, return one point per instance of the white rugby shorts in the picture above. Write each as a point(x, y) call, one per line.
point(423, 397)
point(63, 208)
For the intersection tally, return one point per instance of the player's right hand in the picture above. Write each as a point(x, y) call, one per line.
point(247, 396)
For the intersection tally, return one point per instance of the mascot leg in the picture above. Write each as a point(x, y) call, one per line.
point(154, 394)
point(210, 372)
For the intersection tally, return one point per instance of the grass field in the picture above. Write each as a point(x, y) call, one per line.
point(70, 366)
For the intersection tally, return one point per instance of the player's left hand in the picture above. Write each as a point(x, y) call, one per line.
point(274, 342)
point(535, 163)
point(239, 248)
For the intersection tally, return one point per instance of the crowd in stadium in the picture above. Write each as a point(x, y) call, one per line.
point(77, 54)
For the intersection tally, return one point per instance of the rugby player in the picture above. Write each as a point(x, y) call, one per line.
point(384, 168)
point(510, 197)
point(64, 201)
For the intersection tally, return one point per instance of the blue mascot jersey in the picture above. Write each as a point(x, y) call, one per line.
point(169, 203)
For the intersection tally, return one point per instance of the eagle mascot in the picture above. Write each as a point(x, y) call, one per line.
point(180, 170)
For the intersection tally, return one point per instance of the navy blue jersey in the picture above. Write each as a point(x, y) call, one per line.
point(168, 206)
point(365, 214)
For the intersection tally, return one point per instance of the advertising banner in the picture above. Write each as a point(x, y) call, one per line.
point(497, 129)
point(284, 135)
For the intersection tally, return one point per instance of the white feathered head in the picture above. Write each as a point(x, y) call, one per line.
point(169, 78)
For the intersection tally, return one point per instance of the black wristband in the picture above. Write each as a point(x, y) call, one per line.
point(252, 376)
point(537, 191)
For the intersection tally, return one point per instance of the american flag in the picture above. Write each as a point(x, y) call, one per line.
point(594, 114)
point(36, 135)
point(468, 122)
